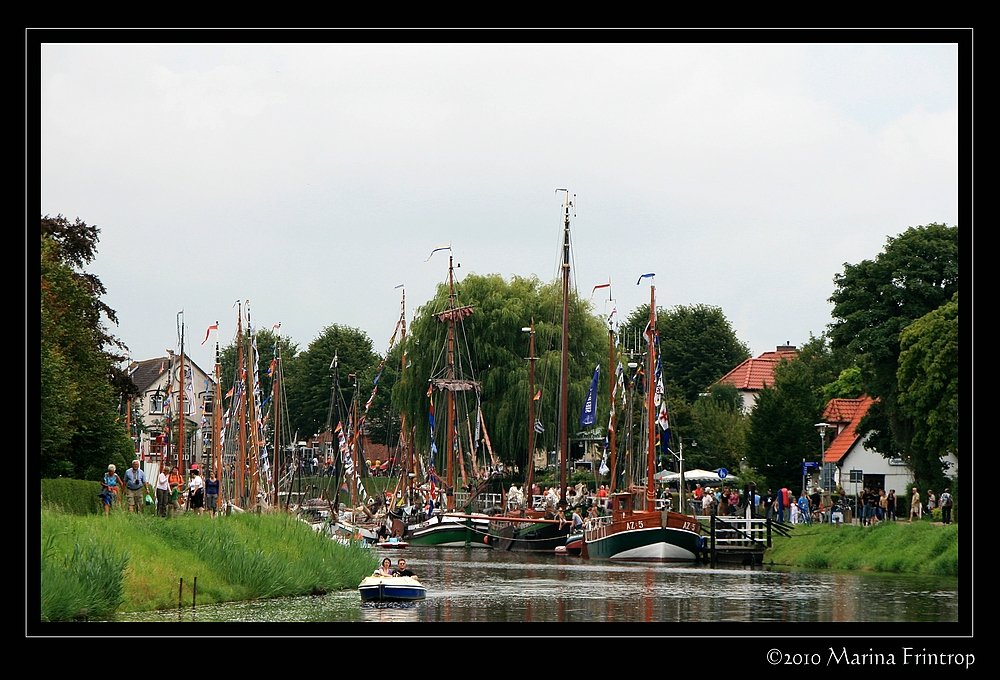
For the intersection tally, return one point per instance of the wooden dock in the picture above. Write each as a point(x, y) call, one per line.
point(739, 540)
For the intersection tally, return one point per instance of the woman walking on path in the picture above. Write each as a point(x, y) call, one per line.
point(162, 492)
point(109, 489)
point(915, 507)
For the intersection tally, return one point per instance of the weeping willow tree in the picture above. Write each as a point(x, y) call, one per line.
point(493, 348)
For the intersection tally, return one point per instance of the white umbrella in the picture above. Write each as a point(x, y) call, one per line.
point(705, 476)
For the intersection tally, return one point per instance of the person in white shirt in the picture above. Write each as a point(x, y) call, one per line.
point(196, 492)
point(162, 492)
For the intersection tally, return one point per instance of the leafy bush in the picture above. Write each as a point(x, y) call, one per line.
point(75, 496)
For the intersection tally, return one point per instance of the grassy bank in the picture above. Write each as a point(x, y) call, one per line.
point(94, 566)
point(919, 548)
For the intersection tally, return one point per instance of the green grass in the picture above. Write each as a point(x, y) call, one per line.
point(900, 547)
point(94, 566)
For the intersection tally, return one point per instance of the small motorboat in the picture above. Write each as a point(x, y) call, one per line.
point(574, 544)
point(391, 589)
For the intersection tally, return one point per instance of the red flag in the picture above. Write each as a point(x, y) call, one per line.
point(602, 285)
point(213, 327)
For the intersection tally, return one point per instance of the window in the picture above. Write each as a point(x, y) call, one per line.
point(209, 403)
point(156, 402)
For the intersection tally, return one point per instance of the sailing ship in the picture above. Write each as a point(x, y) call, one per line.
point(546, 529)
point(454, 396)
point(635, 530)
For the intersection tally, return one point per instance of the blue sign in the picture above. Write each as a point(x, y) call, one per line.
point(722, 473)
point(811, 465)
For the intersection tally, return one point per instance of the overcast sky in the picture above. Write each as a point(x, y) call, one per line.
point(312, 179)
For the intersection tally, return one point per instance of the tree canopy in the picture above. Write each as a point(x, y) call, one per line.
point(873, 302)
point(697, 344)
point(928, 387)
point(83, 390)
point(497, 357)
point(782, 433)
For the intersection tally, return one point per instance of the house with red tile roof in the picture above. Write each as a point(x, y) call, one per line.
point(753, 375)
point(848, 463)
point(157, 381)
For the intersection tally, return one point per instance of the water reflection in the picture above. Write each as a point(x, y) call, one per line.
point(488, 586)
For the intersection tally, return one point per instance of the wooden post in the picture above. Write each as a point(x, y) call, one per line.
point(194, 592)
point(712, 551)
point(180, 592)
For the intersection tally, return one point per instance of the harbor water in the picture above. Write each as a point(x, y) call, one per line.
point(480, 585)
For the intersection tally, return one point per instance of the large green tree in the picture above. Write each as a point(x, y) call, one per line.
point(83, 388)
point(874, 301)
point(697, 344)
point(319, 390)
point(928, 388)
point(496, 354)
point(720, 427)
point(782, 424)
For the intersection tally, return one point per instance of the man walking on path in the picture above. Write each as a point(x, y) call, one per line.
point(946, 503)
point(135, 487)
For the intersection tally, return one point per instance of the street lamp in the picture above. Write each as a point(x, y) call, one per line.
point(821, 428)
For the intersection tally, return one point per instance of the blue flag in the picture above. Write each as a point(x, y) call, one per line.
point(589, 413)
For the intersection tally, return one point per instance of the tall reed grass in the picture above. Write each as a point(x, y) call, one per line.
point(93, 566)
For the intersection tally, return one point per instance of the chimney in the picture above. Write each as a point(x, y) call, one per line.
point(787, 347)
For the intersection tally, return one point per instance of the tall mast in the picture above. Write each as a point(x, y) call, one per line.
point(450, 375)
point(241, 383)
point(611, 389)
point(354, 447)
point(252, 415)
point(564, 378)
point(276, 410)
point(334, 416)
point(180, 400)
point(403, 434)
point(530, 478)
point(650, 394)
point(217, 421)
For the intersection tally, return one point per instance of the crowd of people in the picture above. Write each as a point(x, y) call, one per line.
point(871, 506)
point(170, 493)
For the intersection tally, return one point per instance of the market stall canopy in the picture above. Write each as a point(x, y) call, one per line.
point(696, 475)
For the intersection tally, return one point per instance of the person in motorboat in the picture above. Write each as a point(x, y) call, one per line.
point(401, 569)
point(385, 569)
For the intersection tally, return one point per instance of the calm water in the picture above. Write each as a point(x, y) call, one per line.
point(480, 585)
